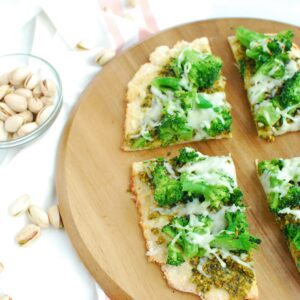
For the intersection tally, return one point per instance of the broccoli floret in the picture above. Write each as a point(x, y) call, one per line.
point(274, 67)
point(174, 128)
point(187, 99)
point(163, 83)
point(167, 190)
point(203, 103)
point(274, 201)
point(271, 166)
point(204, 69)
point(254, 42)
point(219, 126)
point(267, 114)
point(292, 232)
point(291, 199)
point(236, 197)
point(236, 236)
point(242, 67)
point(212, 193)
point(290, 93)
point(175, 257)
point(186, 155)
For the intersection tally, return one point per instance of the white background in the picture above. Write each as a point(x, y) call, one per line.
point(50, 269)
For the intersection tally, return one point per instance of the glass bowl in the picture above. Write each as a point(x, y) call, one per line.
point(46, 70)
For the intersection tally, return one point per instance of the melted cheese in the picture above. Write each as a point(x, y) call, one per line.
point(294, 212)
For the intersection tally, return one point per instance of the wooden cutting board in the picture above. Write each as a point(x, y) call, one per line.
point(93, 174)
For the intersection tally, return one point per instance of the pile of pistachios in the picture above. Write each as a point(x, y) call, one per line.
point(26, 101)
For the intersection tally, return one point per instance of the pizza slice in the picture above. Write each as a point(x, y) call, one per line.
point(177, 97)
point(280, 179)
point(269, 65)
point(195, 226)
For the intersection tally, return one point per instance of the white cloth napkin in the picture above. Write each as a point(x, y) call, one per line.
point(50, 268)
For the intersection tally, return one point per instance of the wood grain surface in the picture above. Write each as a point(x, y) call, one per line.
point(93, 174)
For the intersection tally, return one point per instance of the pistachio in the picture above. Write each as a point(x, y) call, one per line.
point(5, 111)
point(48, 87)
point(13, 123)
point(4, 78)
point(31, 81)
point(3, 132)
point(38, 216)
point(37, 92)
point(17, 76)
point(26, 129)
point(28, 234)
point(105, 56)
point(54, 217)
point(20, 205)
point(35, 105)
point(1, 267)
point(47, 100)
point(27, 116)
point(5, 297)
point(4, 90)
point(44, 114)
point(16, 102)
point(24, 92)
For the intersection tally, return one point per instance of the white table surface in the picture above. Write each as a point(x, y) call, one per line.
point(50, 268)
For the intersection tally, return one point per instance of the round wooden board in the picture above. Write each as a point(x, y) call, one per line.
point(93, 174)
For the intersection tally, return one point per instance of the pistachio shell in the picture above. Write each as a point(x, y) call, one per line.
point(47, 100)
point(5, 297)
point(27, 116)
point(31, 81)
point(26, 129)
point(37, 92)
point(5, 111)
point(13, 123)
point(105, 56)
point(4, 78)
point(17, 76)
point(35, 105)
point(3, 132)
point(86, 44)
point(54, 217)
point(20, 205)
point(16, 102)
point(1, 267)
point(38, 216)
point(28, 234)
point(131, 3)
point(48, 87)
point(24, 92)
point(4, 90)
point(44, 114)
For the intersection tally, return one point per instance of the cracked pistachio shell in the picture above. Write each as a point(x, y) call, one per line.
point(5, 111)
point(18, 76)
point(4, 78)
point(28, 234)
point(31, 81)
point(3, 132)
point(13, 123)
point(4, 90)
point(38, 216)
point(16, 102)
point(105, 56)
point(54, 217)
point(44, 114)
point(37, 92)
point(27, 116)
point(20, 205)
point(5, 297)
point(47, 100)
point(24, 92)
point(26, 129)
point(35, 105)
point(48, 87)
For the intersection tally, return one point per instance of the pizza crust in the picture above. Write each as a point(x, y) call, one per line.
point(176, 276)
point(137, 87)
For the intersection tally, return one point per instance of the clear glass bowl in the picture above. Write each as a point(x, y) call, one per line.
point(47, 71)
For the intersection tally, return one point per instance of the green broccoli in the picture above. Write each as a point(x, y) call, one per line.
point(274, 67)
point(236, 236)
point(164, 83)
point(212, 193)
point(218, 126)
point(291, 199)
point(271, 166)
point(290, 93)
point(242, 67)
point(202, 102)
point(187, 155)
point(174, 128)
point(246, 36)
point(236, 197)
point(204, 69)
point(140, 142)
point(187, 99)
point(167, 190)
point(267, 114)
point(175, 257)
point(292, 232)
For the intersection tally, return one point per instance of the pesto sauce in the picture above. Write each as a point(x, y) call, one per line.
point(235, 278)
